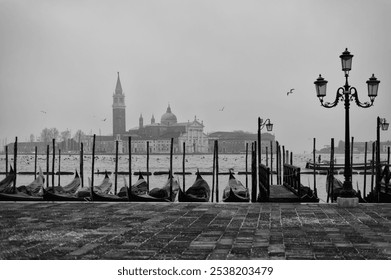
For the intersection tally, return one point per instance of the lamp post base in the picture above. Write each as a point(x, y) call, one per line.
point(347, 202)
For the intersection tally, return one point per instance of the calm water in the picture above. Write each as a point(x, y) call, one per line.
point(161, 163)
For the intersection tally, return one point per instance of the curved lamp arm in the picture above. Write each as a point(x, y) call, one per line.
point(338, 96)
point(354, 96)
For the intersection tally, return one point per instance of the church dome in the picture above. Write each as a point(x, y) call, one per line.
point(168, 118)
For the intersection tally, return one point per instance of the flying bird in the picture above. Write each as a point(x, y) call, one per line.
point(291, 91)
point(43, 112)
point(222, 109)
point(104, 120)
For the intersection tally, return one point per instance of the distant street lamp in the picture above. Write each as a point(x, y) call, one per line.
point(383, 124)
point(347, 94)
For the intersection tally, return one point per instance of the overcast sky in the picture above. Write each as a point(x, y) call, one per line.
point(62, 57)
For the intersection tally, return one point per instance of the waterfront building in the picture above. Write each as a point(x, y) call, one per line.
point(235, 141)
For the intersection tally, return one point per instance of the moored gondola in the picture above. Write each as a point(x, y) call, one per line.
point(30, 192)
point(198, 192)
point(235, 191)
point(107, 197)
point(138, 192)
point(169, 191)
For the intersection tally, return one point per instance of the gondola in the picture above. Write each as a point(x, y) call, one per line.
point(334, 187)
point(198, 192)
point(65, 193)
point(138, 192)
point(325, 165)
point(164, 192)
point(31, 192)
point(104, 187)
point(384, 193)
point(235, 191)
point(6, 183)
point(107, 197)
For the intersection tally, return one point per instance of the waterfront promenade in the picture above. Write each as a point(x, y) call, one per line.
point(200, 231)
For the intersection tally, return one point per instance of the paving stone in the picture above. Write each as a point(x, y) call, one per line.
point(194, 231)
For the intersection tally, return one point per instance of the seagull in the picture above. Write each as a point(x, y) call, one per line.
point(291, 91)
point(43, 112)
point(222, 109)
point(104, 120)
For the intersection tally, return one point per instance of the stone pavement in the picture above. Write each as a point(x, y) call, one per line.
point(47, 230)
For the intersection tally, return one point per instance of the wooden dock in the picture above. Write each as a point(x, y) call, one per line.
point(279, 193)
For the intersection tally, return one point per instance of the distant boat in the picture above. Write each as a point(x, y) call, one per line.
point(325, 165)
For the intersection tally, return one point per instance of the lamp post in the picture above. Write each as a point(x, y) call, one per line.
point(383, 124)
point(269, 127)
point(347, 93)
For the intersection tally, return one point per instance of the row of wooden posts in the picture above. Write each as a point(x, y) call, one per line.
point(215, 179)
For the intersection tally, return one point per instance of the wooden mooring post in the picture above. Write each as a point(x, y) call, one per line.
point(373, 169)
point(330, 187)
point(171, 172)
point(59, 166)
point(130, 162)
point(271, 162)
point(247, 165)
point(253, 172)
point(93, 164)
point(116, 168)
point(213, 170)
point(81, 167)
point(183, 165)
point(365, 170)
point(217, 170)
point(148, 165)
point(6, 160)
point(47, 166)
point(314, 160)
point(277, 163)
point(53, 160)
point(35, 162)
point(15, 161)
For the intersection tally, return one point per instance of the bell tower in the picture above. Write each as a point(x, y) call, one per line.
point(119, 126)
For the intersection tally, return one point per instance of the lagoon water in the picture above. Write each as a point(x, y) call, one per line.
point(237, 162)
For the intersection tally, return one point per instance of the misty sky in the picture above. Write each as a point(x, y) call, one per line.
point(62, 57)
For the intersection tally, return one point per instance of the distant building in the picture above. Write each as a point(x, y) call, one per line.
point(119, 120)
point(235, 142)
point(69, 145)
point(159, 135)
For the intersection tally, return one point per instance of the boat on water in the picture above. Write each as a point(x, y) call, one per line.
point(104, 187)
point(198, 192)
point(165, 191)
point(384, 194)
point(30, 192)
point(235, 191)
point(325, 165)
point(68, 192)
point(122, 195)
point(334, 187)
point(139, 192)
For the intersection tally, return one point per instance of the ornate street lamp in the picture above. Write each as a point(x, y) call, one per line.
point(269, 127)
point(383, 124)
point(347, 93)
